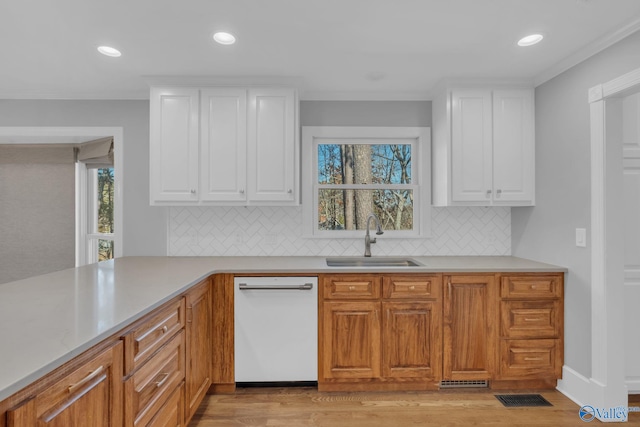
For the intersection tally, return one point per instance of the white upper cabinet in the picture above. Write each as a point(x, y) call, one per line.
point(244, 154)
point(483, 147)
point(223, 136)
point(174, 145)
point(272, 148)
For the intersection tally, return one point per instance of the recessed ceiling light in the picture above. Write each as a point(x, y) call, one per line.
point(109, 51)
point(224, 38)
point(530, 40)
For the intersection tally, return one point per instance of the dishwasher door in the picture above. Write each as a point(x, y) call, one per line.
point(276, 329)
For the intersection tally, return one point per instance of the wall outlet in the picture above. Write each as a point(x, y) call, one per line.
point(581, 237)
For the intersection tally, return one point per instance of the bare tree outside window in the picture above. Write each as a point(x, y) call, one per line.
point(365, 178)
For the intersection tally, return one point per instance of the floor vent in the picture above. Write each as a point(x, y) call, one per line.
point(464, 384)
point(513, 400)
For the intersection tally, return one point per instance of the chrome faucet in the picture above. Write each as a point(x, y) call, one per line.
point(367, 239)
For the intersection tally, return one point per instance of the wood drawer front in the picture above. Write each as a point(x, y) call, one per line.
point(170, 414)
point(412, 287)
point(151, 333)
point(150, 386)
point(530, 319)
point(531, 287)
point(530, 359)
point(357, 286)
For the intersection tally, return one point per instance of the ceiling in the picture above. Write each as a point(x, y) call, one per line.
point(330, 49)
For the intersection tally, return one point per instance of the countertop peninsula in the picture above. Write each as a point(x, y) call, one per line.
point(47, 320)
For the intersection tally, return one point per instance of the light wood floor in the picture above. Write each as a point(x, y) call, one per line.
point(293, 407)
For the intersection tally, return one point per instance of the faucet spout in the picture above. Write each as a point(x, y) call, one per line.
point(367, 237)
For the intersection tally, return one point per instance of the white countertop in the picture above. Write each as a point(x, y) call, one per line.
point(47, 320)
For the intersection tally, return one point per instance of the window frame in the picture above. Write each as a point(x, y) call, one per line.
point(420, 140)
point(87, 211)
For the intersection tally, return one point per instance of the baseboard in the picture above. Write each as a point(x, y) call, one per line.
point(633, 384)
point(575, 386)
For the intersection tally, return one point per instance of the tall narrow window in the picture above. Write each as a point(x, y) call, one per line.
point(96, 191)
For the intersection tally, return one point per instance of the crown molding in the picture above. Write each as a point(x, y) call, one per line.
point(588, 51)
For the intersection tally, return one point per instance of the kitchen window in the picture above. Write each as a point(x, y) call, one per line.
point(355, 171)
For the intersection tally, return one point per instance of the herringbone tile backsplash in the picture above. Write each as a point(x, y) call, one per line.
point(277, 231)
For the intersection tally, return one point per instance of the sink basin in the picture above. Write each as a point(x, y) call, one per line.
point(372, 262)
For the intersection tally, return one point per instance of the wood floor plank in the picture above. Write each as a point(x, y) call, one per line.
point(302, 407)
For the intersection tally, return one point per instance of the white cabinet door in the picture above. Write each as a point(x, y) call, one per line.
point(174, 145)
point(271, 145)
point(223, 136)
point(471, 156)
point(513, 146)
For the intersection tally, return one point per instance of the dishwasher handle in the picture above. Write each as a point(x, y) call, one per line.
point(305, 287)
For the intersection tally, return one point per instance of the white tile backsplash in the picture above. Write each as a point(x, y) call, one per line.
point(277, 231)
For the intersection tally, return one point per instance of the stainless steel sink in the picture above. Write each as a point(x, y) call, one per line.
point(372, 262)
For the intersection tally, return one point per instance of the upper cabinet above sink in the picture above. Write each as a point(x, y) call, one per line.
point(223, 146)
point(483, 146)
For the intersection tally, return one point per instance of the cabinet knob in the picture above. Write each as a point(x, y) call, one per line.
point(352, 288)
point(193, 191)
point(289, 191)
point(488, 193)
point(412, 288)
point(242, 191)
point(498, 192)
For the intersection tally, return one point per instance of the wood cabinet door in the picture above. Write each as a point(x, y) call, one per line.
point(223, 136)
point(513, 146)
point(89, 396)
point(271, 147)
point(173, 146)
point(411, 340)
point(199, 354)
point(471, 153)
point(470, 320)
point(351, 339)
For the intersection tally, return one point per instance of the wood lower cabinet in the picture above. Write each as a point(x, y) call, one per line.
point(531, 328)
point(414, 331)
point(198, 346)
point(411, 337)
point(470, 321)
point(87, 393)
point(380, 332)
point(351, 339)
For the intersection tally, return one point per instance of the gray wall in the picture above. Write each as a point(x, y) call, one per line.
point(145, 227)
point(546, 232)
point(365, 113)
point(37, 210)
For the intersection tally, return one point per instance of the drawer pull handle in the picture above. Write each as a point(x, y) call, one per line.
point(531, 359)
point(352, 288)
point(533, 286)
point(527, 319)
point(164, 329)
point(412, 288)
point(165, 377)
point(85, 380)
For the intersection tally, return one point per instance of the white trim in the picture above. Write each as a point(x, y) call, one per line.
point(633, 384)
point(587, 52)
point(575, 386)
point(41, 135)
point(421, 149)
point(607, 385)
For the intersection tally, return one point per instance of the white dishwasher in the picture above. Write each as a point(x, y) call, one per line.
point(276, 329)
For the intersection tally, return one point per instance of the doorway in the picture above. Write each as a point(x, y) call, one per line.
point(608, 383)
point(78, 135)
